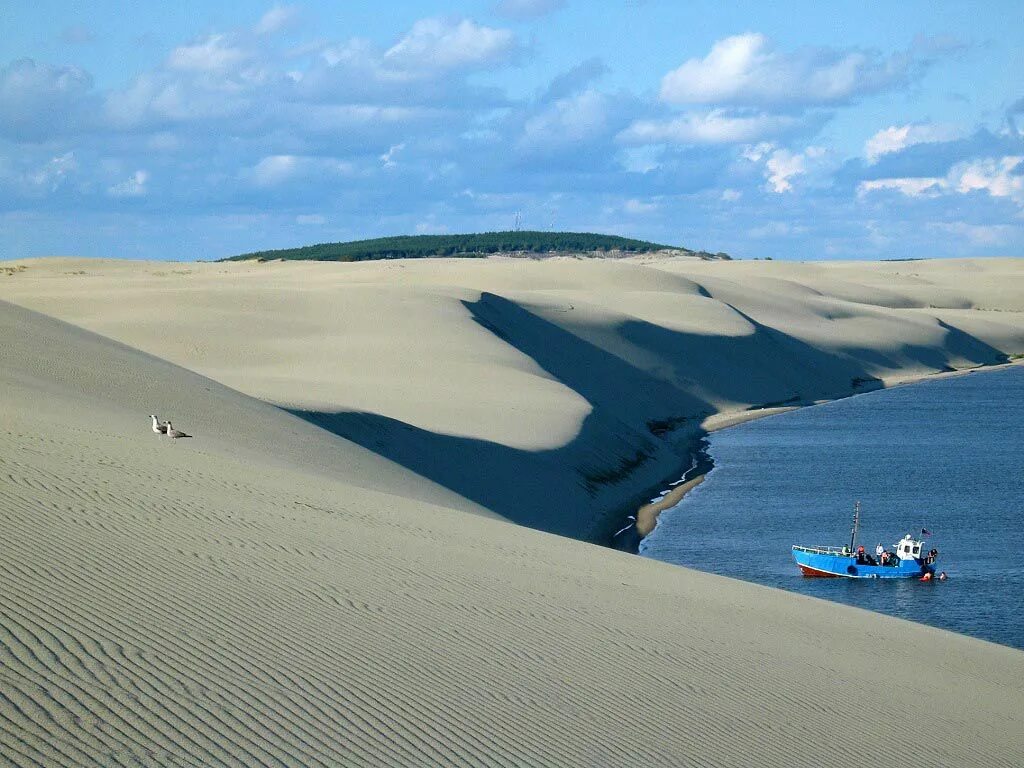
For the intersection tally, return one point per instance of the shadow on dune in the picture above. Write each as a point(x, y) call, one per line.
point(642, 428)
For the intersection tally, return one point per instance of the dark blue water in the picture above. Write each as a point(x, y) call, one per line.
point(946, 455)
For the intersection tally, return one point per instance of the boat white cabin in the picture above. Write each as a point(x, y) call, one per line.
point(909, 548)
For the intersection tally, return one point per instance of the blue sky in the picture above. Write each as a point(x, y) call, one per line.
point(196, 130)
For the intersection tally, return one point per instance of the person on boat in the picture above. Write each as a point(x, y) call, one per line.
point(861, 558)
point(880, 553)
point(933, 555)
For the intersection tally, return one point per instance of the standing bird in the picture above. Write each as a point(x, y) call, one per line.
point(175, 433)
point(159, 427)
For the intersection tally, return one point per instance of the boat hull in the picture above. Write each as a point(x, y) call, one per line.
point(836, 565)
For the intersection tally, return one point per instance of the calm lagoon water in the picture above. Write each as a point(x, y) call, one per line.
point(945, 455)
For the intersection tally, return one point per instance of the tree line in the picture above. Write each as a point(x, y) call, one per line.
point(469, 246)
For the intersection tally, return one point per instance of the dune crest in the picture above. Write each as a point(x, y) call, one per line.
point(572, 388)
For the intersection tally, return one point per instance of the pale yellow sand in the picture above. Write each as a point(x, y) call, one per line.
point(270, 594)
point(529, 387)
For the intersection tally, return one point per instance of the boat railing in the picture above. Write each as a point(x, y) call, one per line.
point(823, 550)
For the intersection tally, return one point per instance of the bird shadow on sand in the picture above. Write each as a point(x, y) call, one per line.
point(643, 427)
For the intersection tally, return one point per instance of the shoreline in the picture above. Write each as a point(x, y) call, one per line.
point(644, 519)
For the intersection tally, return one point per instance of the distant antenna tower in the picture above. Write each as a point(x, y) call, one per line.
point(519, 220)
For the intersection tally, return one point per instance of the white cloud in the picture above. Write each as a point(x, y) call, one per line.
point(525, 9)
point(310, 219)
point(568, 121)
point(731, 195)
point(50, 176)
point(758, 151)
point(714, 127)
point(896, 138)
point(641, 158)
point(154, 98)
point(133, 186)
point(445, 45)
point(911, 187)
point(388, 158)
point(1000, 177)
point(744, 69)
point(275, 170)
point(213, 54)
point(783, 165)
point(276, 19)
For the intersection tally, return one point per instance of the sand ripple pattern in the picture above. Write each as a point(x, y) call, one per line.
point(176, 605)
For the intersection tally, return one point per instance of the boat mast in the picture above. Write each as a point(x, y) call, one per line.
point(856, 522)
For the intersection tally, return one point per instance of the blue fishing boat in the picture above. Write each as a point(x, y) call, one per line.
point(908, 559)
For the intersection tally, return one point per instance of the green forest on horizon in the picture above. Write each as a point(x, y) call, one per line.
point(467, 245)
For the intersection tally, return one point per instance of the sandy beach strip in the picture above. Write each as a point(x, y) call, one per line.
point(648, 514)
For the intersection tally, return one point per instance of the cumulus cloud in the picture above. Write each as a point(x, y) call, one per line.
point(783, 165)
point(746, 70)
point(998, 177)
point(277, 18)
point(714, 127)
point(568, 121)
point(275, 170)
point(386, 133)
point(155, 99)
point(897, 138)
point(526, 9)
point(444, 45)
point(909, 187)
point(214, 54)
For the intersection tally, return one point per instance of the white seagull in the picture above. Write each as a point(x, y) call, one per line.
point(159, 427)
point(175, 433)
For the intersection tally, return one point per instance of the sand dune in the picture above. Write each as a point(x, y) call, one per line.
point(548, 378)
point(269, 593)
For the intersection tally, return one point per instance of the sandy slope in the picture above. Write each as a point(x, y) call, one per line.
point(530, 388)
point(256, 596)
